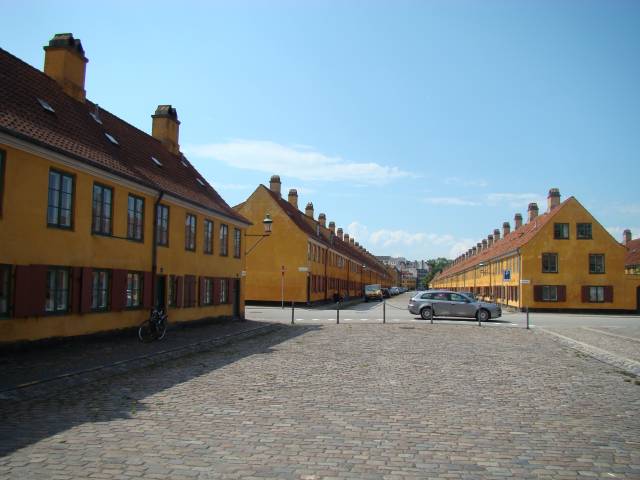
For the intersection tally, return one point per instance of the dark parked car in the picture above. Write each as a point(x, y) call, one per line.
point(386, 293)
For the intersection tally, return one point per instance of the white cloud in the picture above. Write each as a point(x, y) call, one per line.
point(297, 161)
point(457, 201)
point(465, 182)
point(515, 200)
point(358, 231)
point(460, 247)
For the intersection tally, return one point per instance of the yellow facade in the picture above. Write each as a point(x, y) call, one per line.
point(313, 271)
point(27, 240)
point(573, 269)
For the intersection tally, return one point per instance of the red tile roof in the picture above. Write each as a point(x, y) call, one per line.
point(509, 243)
point(633, 253)
point(71, 131)
point(308, 226)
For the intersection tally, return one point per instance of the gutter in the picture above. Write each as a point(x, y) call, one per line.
point(154, 247)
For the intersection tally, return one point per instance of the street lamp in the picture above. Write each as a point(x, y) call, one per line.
point(267, 222)
point(474, 274)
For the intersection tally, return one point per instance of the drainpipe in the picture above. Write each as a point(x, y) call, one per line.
point(154, 247)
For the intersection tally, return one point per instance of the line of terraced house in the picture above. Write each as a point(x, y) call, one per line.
point(563, 259)
point(100, 221)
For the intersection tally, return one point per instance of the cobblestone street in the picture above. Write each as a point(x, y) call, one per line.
point(341, 401)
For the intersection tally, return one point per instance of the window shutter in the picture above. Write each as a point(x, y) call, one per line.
point(179, 291)
point(147, 290)
point(76, 289)
point(30, 290)
point(232, 290)
point(85, 291)
point(118, 289)
point(562, 293)
point(585, 294)
point(537, 293)
point(608, 294)
point(202, 290)
point(216, 291)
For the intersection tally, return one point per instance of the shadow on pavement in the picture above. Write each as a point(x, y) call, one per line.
point(23, 423)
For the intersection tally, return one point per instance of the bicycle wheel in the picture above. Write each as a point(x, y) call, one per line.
point(145, 333)
point(161, 329)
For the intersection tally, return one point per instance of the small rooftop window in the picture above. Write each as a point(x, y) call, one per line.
point(46, 106)
point(156, 161)
point(96, 117)
point(111, 138)
point(184, 164)
point(200, 182)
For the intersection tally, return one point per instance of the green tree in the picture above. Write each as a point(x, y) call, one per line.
point(435, 266)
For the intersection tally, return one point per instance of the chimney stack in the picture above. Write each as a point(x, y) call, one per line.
point(479, 247)
point(553, 199)
point(489, 240)
point(339, 233)
point(485, 243)
point(275, 185)
point(165, 127)
point(64, 61)
point(357, 244)
point(533, 211)
point(293, 198)
point(322, 220)
point(352, 241)
point(496, 235)
point(332, 227)
point(506, 229)
point(626, 236)
point(346, 237)
point(474, 250)
point(517, 221)
point(308, 210)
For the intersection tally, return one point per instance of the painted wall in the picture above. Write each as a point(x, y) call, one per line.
point(26, 239)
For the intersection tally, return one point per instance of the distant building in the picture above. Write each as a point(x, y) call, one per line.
point(632, 259)
point(562, 259)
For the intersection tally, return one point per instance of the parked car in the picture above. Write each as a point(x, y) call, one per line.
point(469, 294)
point(372, 292)
point(443, 303)
point(386, 293)
point(394, 291)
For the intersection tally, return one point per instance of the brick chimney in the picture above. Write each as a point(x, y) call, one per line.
point(496, 235)
point(308, 210)
point(479, 247)
point(485, 243)
point(293, 198)
point(532, 211)
point(332, 227)
point(489, 240)
point(352, 241)
point(64, 61)
point(346, 237)
point(357, 244)
point(339, 233)
point(626, 236)
point(322, 220)
point(517, 220)
point(166, 127)
point(474, 250)
point(506, 229)
point(275, 185)
point(553, 199)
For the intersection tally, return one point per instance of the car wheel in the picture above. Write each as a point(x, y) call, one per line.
point(483, 315)
point(426, 313)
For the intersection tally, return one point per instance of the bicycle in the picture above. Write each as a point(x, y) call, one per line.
point(155, 328)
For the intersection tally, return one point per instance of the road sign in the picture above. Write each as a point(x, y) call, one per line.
point(506, 275)
point(243, 273)
point(525, 282)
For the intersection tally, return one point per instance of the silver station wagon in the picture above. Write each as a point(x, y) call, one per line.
point(443, 303)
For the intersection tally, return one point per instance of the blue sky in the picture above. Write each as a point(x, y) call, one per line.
point(417, 126)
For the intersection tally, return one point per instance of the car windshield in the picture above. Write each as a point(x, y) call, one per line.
point(371, 288)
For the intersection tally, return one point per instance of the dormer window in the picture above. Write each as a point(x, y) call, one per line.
point(200, 182)
point(156, 161)
point(111, 138)
point(46, 105)
point(184, 164)
point(95, 116)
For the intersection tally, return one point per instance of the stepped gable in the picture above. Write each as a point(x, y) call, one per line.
point(512, 241)
point(70, 130)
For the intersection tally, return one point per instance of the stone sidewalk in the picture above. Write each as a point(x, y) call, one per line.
point(342, 401)
point(38, 370)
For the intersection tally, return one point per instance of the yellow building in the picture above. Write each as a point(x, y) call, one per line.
point(303, 260)
point(562, 259)
point(100, 221)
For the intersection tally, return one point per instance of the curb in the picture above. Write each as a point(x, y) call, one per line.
point(45, 386)
point(625, 364)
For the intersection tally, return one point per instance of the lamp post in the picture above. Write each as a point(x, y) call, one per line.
point(267, 222)
point(481, 265)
